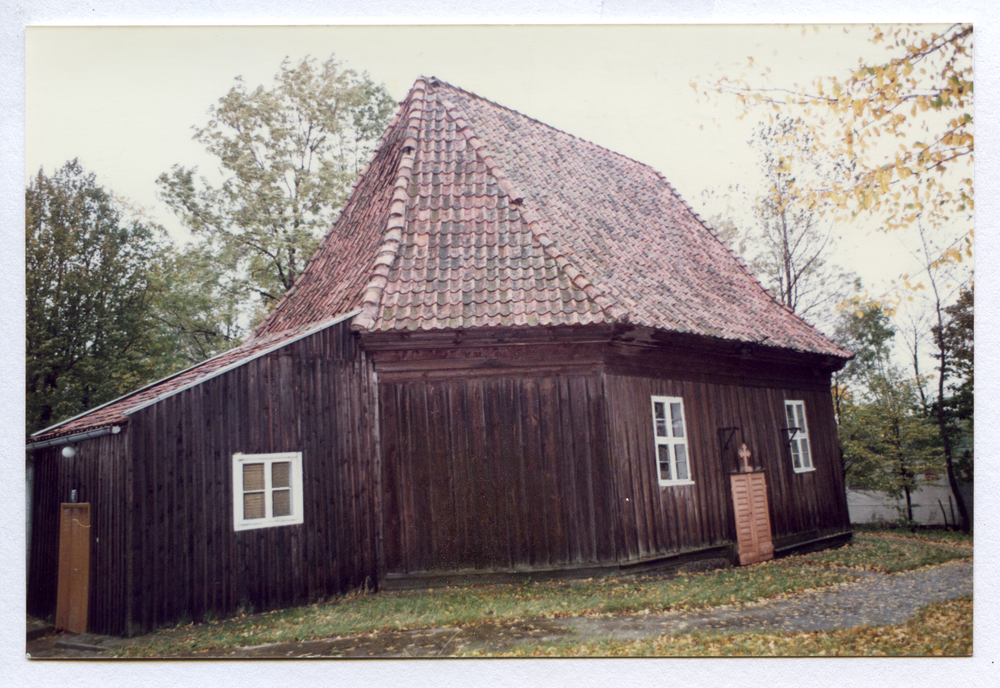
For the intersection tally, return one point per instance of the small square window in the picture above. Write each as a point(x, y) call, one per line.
point(670, 437)
point(267, 490)
point(798, 444)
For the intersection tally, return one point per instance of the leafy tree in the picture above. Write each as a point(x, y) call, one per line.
point(787, 245)
point(960, 406)
point(197, 305)
point(288, 156)
point(89, 293)
point(954, 340)
point(865, 327)
point(888, 443)
point(957, 337)
point(902, 126)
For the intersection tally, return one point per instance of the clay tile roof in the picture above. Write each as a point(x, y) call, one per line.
point(474, 215)
point(471, 215)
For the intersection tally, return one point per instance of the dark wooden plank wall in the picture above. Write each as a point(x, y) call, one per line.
point(656, 520)
point(315, 396)
point(98, 474)
point(495, 472)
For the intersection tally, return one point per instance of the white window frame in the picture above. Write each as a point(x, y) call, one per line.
point(269, 520)
point(799, 447)
point(671, 441)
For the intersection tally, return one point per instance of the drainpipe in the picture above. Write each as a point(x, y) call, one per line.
point(69, 439)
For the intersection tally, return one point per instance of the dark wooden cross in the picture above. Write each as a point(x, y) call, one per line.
point(744, 454)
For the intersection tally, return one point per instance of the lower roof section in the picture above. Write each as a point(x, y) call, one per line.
point(117, 411)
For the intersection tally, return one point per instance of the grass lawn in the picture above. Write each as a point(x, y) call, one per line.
point(452, 607)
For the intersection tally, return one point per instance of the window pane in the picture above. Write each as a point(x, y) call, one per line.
point(280, 474)
point(796, 461)
point(790, 415)
point(282, 503)
point(253, 476)
point(659, 413)
point(680, 452)
point(664, 455)
point(253, 505)
point(800, 410)
point(677, 420)
point(806, 459)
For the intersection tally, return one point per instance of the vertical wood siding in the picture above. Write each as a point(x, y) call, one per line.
point(97, 472)
point(313, 396)
point(656, 520)
point(495, 473)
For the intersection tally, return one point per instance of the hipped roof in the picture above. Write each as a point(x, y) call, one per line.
point(473, 215)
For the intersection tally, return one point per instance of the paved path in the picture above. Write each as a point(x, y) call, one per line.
point(877, 599)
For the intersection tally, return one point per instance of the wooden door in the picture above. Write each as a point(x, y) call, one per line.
point(753, 522)
point(74, 568)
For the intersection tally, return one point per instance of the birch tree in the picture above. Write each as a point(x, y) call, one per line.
point(903, 124)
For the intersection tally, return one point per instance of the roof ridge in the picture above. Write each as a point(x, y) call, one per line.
point(531, 218)
point(393, 238)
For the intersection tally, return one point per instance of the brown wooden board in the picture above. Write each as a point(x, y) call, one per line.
point(753, 525)
point(515, 476)
point(316, 396)
point(74, 568)
point(99, 473)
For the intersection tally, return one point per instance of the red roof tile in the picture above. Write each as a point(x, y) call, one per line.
point(473, 215)
point(486, 217)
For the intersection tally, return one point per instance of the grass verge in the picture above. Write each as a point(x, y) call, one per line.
point(468, 605)
point(882, 554)
point(941, 536)
point(939, 629)
point(451, 607)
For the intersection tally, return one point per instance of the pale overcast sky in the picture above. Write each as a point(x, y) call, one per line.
point(124, 102)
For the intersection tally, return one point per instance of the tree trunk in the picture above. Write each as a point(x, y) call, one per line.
point(946, 430)
point(909, 506)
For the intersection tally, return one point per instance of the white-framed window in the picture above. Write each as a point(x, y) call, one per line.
point(673, 463)
point(267, 490)
point(798, 434)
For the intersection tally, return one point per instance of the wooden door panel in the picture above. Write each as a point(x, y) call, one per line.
point(74, 568)
point(753, 521)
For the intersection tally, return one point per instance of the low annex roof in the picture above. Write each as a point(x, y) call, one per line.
point(473, 215)
point(117, 411)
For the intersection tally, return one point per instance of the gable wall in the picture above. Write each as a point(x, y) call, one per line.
point(313, 396)
point(656, 520)
point(99, 474)
point(507, 450)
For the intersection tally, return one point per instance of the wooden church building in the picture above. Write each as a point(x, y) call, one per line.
point(515, 353)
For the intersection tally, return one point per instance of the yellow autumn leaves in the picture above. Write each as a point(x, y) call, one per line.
point(920, 97)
